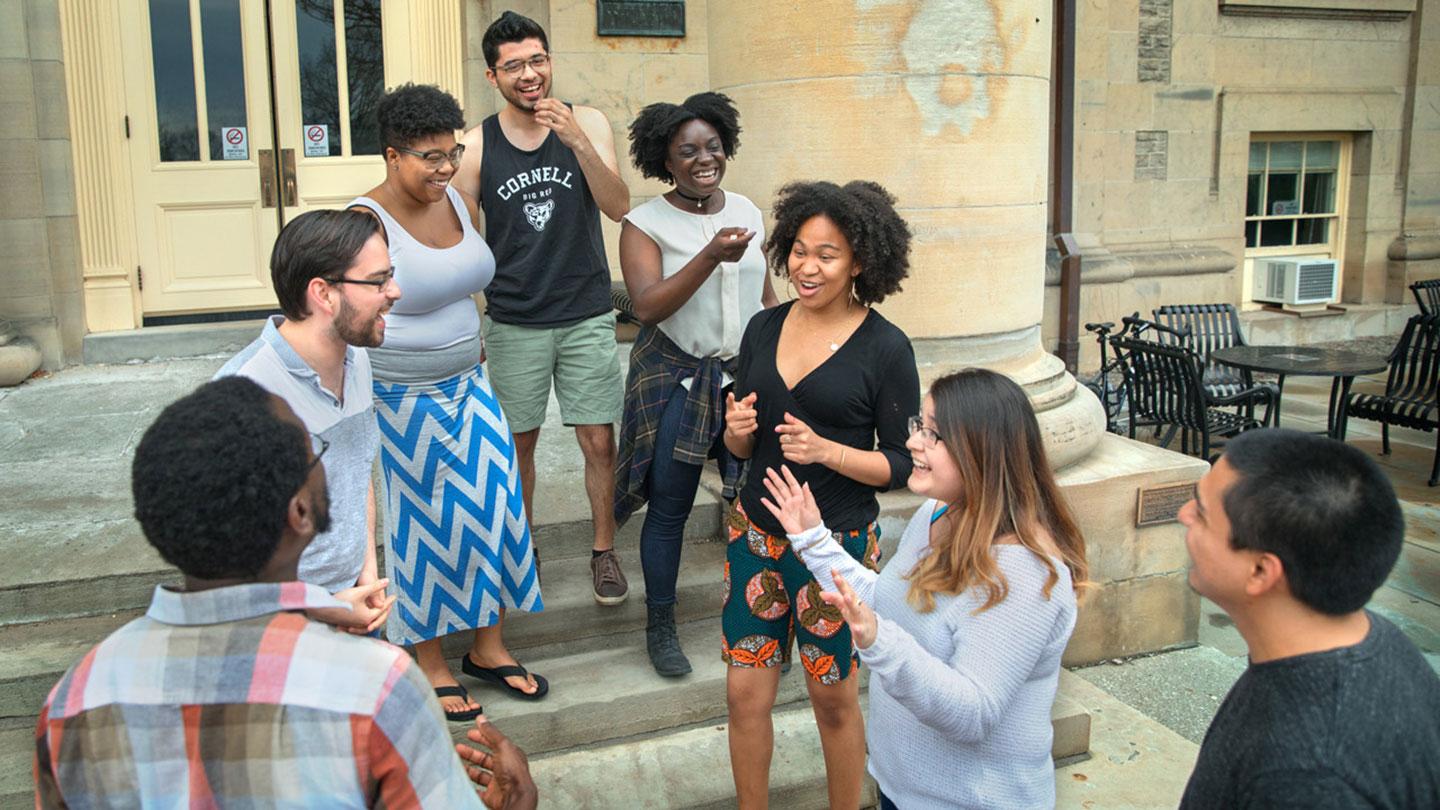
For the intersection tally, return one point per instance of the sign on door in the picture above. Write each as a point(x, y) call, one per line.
point(317, 140)
point(234, 143)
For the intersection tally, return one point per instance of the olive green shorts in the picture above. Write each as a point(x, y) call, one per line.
point(582, 358)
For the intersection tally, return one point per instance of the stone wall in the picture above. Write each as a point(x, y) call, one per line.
point(1168, 95)
point(39, 264)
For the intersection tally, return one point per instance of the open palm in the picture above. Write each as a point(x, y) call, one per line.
point(792, 503)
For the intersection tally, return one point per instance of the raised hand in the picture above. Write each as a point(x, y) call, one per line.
point(801, 445)
point(499, 767)
point(858, 615)
point(554, 115)
point(740, 416)
point(369, 608)
point(729, 244)
point(793, 505)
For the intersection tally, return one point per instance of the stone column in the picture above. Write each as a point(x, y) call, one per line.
point(945, 103)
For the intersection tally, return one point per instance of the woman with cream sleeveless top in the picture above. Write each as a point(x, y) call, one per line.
point(457, 540)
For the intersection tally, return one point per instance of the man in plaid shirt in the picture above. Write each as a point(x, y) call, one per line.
point(225, 692)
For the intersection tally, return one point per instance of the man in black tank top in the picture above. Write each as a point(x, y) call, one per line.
point(543, 171)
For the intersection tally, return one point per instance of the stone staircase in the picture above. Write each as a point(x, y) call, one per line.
point(611, 733)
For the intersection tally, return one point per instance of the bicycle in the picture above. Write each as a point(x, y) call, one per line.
point(1114, 396)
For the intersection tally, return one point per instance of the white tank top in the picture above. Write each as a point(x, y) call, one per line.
point(435, 310)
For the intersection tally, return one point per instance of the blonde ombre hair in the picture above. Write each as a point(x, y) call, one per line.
point(987, 426)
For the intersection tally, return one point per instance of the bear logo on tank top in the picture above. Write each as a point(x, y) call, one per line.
point(539, 213)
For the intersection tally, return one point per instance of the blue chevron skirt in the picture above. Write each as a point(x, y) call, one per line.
point(457, 541)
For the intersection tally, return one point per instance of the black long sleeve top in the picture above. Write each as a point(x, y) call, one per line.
point(861, 396)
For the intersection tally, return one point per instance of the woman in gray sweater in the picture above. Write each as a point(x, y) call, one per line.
point(964, 628)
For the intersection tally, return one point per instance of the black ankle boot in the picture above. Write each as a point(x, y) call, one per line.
point(662, 642)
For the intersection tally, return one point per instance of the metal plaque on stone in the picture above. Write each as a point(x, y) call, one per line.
point(640, 18)
point(1161, 504)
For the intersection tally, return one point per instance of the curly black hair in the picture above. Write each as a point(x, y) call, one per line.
point(652, 129)
point(213, 477)
point(414, 111)
point(865, 212)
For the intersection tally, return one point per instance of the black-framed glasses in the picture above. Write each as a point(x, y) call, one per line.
point(435, 158)
point(318, 445)
point(537, 63)
point(378, 283)
point(916, 424)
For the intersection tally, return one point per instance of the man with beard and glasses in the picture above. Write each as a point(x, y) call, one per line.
point(226, 693)
point(543, 171)
point(334, 281)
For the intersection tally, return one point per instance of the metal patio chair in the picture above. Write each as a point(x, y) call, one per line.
point(1412, 388)
point(1167, 388)
point(1427, 295)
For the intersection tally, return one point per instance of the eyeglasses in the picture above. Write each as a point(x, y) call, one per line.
point(537, 63)
point(436, 158)
point(318, 446)
point(378, 283)
point(916, 424)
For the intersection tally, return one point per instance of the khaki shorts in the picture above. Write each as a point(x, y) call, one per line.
point(582, 357)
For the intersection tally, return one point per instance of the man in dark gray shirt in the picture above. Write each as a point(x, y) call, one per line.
point(1291, 534)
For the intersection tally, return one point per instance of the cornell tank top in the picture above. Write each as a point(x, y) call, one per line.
point(544, 227)
point(435, 309)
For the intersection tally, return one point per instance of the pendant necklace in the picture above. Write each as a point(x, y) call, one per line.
point(699, 201)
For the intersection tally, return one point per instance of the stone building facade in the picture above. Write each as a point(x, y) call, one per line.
point(946, 102)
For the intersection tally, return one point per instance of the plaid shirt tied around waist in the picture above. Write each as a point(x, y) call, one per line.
point(657, 366)
point(232, 697)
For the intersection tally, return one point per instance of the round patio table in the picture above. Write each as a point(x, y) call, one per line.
point(1309, 361)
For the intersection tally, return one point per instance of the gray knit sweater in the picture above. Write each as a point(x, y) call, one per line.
point(959, 703)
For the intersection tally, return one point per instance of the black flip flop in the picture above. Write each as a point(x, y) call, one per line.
point(495, 676)
point(458, 692)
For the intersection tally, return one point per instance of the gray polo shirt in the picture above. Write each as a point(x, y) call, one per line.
point(333, 559)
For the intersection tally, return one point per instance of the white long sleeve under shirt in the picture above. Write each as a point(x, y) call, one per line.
point(959, 702)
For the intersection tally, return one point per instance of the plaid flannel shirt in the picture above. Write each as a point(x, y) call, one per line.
point(657, 366)
point(232, 697)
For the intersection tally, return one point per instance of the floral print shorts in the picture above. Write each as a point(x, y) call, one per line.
point(771, 597)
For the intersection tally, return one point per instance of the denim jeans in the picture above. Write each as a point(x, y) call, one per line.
point(670, 486)
point(885, 803)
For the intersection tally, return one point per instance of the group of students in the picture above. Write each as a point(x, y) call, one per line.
point(810, 408)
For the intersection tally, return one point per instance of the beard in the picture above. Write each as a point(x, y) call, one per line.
point(355, 329)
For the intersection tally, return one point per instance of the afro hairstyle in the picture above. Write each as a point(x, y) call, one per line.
point(213, 477)
point(865, 213)
point(414, 111)
point(652, 129)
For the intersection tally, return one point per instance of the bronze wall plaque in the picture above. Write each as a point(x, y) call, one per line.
point(640, 18)
point(1156, 505)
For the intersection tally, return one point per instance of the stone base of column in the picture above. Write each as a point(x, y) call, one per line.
point(1071, 419)
point(1140, 600)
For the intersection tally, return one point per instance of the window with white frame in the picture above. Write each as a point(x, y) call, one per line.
point(1295, 194)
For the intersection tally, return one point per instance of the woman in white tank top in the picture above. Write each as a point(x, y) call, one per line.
point(447, 454)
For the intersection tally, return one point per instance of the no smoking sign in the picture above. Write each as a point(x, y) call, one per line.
point(317, 140)
point(234, 143)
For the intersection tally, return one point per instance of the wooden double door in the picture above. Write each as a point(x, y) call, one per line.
point(241, 115)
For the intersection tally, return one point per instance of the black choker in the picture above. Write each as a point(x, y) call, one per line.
point(699, 201)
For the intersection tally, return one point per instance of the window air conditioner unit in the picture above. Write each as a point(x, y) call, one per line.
point(1295, 282)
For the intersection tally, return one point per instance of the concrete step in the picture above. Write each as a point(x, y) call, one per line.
point(688, 767)
point(612, 692)
point(86, 568)
point(17, 762)
point(34, 655)
point(608, 694)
